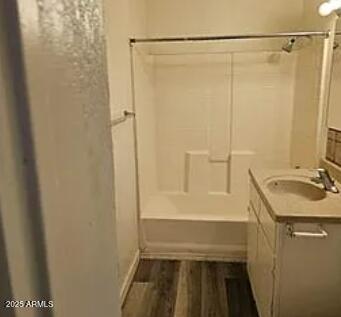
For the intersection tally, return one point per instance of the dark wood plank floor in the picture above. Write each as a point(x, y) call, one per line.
point(190, 289)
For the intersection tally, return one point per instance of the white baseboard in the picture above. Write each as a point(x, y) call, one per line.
point(129, 277)
point(194, 252)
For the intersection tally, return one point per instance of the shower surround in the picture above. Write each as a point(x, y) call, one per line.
point(196, 144)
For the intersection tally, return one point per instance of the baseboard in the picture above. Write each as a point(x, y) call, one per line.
point(129, 277)
point(194, 252)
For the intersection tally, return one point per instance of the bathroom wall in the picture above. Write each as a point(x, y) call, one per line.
point(305, 117)
point(124, 19)
point(334, 114)
point(311, 19)
point(179, 17)
point(308, 74)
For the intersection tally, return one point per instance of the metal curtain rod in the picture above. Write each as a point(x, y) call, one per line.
point(231, 37)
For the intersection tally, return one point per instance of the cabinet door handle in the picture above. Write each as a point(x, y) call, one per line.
point(320, 234)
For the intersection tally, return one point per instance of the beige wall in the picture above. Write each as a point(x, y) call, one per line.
point(304, 132)
point(311, 18)
point(124, 19)
point(305, 140)
point(174, 17)
point(334, 113)
point(334, 116)
point(66, 81)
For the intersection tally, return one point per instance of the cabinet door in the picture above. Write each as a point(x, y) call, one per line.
point(252, 231)
point(310, 267)
point(264, 283)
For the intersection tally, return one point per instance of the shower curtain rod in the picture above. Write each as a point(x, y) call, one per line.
point(231, 37)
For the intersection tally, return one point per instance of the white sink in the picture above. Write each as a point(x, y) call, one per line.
point(296, 189)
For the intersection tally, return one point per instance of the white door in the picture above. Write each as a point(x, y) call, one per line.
point(65, 111)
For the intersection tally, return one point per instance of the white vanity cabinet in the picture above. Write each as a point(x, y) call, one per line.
point(293, 276)
point(261, 251)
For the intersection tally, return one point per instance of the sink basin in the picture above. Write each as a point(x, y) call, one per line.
point(296, 189)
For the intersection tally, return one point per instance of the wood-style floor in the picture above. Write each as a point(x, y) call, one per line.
point(189, 289)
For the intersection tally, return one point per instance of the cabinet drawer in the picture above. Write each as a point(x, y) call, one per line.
point(268, 225)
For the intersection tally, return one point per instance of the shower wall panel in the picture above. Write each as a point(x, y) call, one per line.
point(193, 111)
point(263, 95)
point(145, 123)
point(203, 120)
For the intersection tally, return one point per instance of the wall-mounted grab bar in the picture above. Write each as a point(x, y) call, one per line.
point(125, 115)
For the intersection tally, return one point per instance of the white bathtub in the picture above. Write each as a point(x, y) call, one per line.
point(173, 226)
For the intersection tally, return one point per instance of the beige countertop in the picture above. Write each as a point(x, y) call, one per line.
point(284, 209)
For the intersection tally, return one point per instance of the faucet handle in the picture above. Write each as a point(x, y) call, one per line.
point(316, 179)
point(326, 173)
point(322, 170)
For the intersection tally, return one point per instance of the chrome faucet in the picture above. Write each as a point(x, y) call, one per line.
point(325, 179)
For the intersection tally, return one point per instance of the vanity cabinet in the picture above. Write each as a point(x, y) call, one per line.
point(293, 276)
point(260, 254)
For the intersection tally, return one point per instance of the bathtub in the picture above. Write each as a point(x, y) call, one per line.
point(180, 227)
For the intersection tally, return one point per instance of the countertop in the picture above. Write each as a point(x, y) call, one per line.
point(327, 210)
